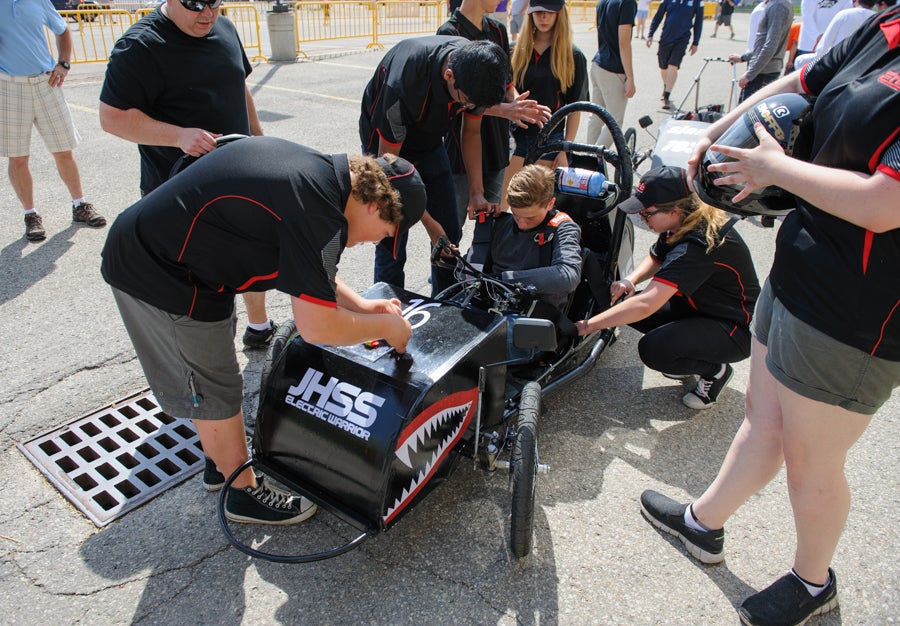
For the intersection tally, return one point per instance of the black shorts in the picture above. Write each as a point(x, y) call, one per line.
point(671, 54)
point(724, 19)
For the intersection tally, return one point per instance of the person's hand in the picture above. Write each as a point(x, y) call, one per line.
point(196, 141)
point(743, 80)
point(582, 326)
point(478, 203)
point(524, 111)
point(561, 160)
point(649, 41)
point(753, 168)
point(693, 49)
point(735, 58)
point(620, 289)
point(397, 333)
point(383, 305)
point(693, 163)
point(58, 76)
point(629, 88)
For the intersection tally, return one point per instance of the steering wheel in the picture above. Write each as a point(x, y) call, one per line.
point(619, 157)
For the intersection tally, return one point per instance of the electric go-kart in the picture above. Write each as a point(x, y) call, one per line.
point(365, 432)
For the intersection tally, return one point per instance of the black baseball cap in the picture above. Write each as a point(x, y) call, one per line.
point(658, 186)
point(406, 180)
point(550, 6)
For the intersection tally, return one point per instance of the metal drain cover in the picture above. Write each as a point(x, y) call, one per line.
point(114, 459)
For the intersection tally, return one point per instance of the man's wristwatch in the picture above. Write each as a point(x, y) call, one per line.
point(64, 64)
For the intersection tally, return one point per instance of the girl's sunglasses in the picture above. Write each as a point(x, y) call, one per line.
point(198, 5)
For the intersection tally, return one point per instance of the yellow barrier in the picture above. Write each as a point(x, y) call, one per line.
point(709, 9)
point(402, 17)
point(95, 34)
point(324, 21)
point(246, 20)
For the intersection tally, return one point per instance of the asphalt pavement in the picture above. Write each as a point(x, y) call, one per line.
point(607, 437)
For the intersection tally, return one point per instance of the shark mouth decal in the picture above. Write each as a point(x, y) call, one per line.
point(427, 440)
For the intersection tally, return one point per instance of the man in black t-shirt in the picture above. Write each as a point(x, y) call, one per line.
point(407, 108)
point(256, 214)
point(175, 81)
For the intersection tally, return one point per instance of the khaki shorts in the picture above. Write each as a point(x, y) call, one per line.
point(30, 101)
point(812, 364)
point(191, 366)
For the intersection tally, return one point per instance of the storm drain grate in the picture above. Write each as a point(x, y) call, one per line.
point(114, 459)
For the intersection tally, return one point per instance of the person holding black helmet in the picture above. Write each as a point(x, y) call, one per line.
point(826, 334)
point(695, 311)
point(258, 213)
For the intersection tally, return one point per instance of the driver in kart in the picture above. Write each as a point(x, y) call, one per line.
point(535, 244)
point(260, 213)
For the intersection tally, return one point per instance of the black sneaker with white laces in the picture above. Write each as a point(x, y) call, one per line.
point(707, 391)
point(708, 546)
point(786, 602)
point(265, 504)
point(259, 338)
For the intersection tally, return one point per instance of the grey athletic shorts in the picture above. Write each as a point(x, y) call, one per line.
point(812, 364)
point(191, 366)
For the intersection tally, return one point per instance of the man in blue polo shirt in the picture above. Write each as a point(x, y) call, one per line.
point(681, 16)
point(32, 96)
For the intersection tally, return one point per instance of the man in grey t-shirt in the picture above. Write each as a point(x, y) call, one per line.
point(765, 60)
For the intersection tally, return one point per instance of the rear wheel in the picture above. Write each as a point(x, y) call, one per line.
point(631, 141)
point(524, 467)
point(283, 335)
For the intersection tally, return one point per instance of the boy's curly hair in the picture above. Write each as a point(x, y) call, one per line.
point(371, 185)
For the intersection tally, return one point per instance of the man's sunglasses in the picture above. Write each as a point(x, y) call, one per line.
point(198, 5)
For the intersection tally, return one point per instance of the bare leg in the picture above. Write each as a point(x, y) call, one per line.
point(255, 302)
point(225, 442)
point(68, 172)
point(671, 73)
point(817, 437)
point(755, 455)
point(20, 178)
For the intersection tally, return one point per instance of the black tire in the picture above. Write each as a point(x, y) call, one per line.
point(524, 467)
point(283, 334)
point(631, 141)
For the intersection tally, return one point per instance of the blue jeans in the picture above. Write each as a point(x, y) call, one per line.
point(434, 168)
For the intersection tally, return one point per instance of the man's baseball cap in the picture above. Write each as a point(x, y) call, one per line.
point(549, 6)
point(406, 180)
point(658, 186)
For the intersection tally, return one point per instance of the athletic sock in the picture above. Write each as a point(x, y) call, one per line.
point(812, 588)
point(264, 326)
point(77, 202)
point(692, 521)
point(666, 95)
point(30, 211)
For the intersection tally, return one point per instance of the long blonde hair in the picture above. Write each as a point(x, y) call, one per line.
point(562, 59)
point(696, 212)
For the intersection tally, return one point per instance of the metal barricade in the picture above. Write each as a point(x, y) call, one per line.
point(324, 21)
point(403, 17)
point(95, 33)
point(245, 18)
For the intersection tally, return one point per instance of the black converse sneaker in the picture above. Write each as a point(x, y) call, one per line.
point(265, 504)
point(786, 602)
point(213, 480)
point(668, 515)
point(707, 390)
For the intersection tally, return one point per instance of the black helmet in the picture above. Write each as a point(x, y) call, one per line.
point(781, 115)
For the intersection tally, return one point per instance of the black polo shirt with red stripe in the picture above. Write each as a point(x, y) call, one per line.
point(257, 214)
point(721, 283)
point(407, 101)
point(544, 87)
point(837, 277)
point(494, 130)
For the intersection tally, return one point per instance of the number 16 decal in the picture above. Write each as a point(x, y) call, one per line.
point(417, 308)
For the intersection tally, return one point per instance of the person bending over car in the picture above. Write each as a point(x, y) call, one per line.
point(259, 213)
point(696, 310)
point(535, 244)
